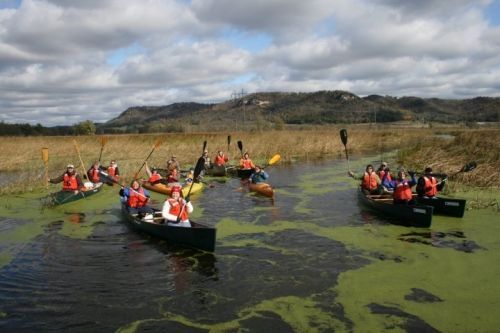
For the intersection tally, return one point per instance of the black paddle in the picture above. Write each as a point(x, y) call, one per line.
point(466, 168)
point(240, 147)
point(204, 147)
point(200, 165)
point(228, 143)
point(343, 137)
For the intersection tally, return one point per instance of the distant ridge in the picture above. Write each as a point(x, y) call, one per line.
point(268, 109)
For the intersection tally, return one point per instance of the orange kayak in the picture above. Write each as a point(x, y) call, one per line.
point(262, 188)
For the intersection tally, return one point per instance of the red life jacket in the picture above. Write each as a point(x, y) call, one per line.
point(173, 177)
point(430, 186)
point(136, 199)
point(220, 160)
point(154, 177)
point(112, 171)
point(382, 173)
point(369, 181)
point(246, 164)
point(94, 175)
point(402, 191)
point(70, 183)
point(175, 208)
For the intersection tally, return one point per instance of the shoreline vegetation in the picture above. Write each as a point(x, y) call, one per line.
point(446, 149)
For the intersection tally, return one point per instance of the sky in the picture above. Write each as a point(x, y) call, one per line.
point(67, 61)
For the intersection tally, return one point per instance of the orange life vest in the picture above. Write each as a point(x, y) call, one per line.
point(94, 175)
point(112, 171)
point(136, 199)
point(154, 177)
point(382, 173)
point(173, 177)
point(369, 181)
point(402, 191)
point(430, 186)
point(175, 208)
point(246, 164)
point(220, 160)
point(70, 183)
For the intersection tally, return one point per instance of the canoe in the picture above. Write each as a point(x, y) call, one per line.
point(167, 189)
point(445, 206)
point(216, 171)
point(262, 189)
point(63, 197)
point(199, 236)
point(417, 215)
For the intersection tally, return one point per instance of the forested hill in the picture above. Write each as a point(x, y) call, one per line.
point(261, 110)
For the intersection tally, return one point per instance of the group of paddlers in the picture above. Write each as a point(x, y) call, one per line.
point(381, 182)
point(176, 209)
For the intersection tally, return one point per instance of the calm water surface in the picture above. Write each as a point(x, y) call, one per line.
point(313, 260)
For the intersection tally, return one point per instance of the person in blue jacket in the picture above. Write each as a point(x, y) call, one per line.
point(259, 175)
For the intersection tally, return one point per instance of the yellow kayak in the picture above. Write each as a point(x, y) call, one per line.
point(167, 188)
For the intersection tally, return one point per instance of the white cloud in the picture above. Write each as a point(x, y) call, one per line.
point(55, 68)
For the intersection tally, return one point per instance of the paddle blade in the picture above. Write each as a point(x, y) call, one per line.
point(240, 146)
point(469, 167)
point(104, 140)
point(200, 165)
point(45, 155)
point(343, 136)
point(275, 159)
point(229, 140)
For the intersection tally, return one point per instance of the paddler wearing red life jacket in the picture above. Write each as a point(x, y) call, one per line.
point(94, 173)
point(402, 193)
point(176, 209)
point(154, 176)
point(113, 171)
point(428, 185)
point(136, 198)
point(383, 170)
point(370, 182)
point(70, 179)
point(220, 159)
point(246, 163)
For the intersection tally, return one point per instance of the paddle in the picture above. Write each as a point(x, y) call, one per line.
point(343, 137)
point(275, 159)
point(228, 143)
point(200, 165)
point(75, 144)
point(104, 140)
point(156, 145)
point(240, 147)
point(45, 158)
point(204, 147)
point(466, 168)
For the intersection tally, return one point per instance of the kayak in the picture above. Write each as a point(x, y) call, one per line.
point(444, 206)
point(262, 189)
point(417, 215)
point(167, 188)
point(216, 171)
point(62, 197)
point(199, 236)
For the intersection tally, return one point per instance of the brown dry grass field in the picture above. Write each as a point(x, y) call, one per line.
point(446, 149)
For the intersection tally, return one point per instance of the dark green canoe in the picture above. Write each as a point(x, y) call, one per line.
point(199, 236)
point(408, 215)
point(445, 206)
point(63, 197)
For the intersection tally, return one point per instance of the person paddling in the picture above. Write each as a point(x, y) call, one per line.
point(153, 174)
point(258, 176)
point(402, 193)
point(220, 159)
point(246, 163)
point(136, 198)
point(113, 171)
point(428, 185)
point(370, 181)
point(176, 210)
point(94, 173)
point(70, 179)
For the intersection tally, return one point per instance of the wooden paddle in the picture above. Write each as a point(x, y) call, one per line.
point(77, 148)
point(45, 158)
point(104, 140)
point(156, 145)
point(343, 137)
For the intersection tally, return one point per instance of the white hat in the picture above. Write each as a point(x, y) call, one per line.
point(70, 166)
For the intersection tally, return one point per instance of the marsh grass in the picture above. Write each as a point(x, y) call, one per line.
point(414, 147)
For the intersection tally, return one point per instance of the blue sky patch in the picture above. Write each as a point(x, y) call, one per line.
point(252, 42)
point(117, 57)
